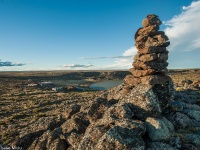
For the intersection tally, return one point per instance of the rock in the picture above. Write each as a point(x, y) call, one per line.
point(150, 65)
point(72, 110)
point(78, 123)
point(151, 19)
point(188, 147)
point(157, 40)
point(144, 101)
point(58, 144)
point(193, 139)
point(115, 93)
point(131, 81)
point(194, 114)
point(146, 57)
point(141, 73)
point(180, 120)
point(160, 57)
point(148, 50)
point(49, 140)
point(27, 140)
point(159, 129)
point(155, 79)
point(97, 109)
point(118, 111)
point(159, 146)
point(176, 106)
point(122, 133)
point(120, 138)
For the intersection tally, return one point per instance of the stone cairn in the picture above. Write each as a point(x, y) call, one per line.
point(150, 61)
point(149, 66)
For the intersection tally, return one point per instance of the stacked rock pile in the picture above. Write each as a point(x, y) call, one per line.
point(149, 66)
point(150, 61)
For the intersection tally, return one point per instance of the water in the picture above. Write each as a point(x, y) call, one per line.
point(105, 84)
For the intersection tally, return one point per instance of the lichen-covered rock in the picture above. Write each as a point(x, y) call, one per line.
point(144, 101)
point(78, 123)
point(131, 81)
point(149, 65)
point(122, 133)
point(159, 129)
point(49, 140)
point(159, 146)
point(189, 147)
point(141, 73)
point(97, 109)
point(193, 139)
point(176, 106)
point(118, 111)
point(115, 93)
point(180, 120)
point(58, 144)
point(72, 110)
point(120, 138)
point(155, 79)
point(194, 114)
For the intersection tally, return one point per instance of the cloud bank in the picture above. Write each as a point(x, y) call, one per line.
point(183, 29)
point(10, 64)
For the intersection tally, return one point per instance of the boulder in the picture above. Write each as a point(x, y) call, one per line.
point(121, 134)
point(159, 129)
point(144, 101)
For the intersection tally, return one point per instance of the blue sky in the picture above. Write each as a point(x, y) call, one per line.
point(92, 34)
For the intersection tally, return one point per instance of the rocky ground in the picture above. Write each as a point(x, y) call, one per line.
point(38, 118)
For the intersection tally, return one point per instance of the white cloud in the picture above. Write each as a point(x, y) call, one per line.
point(125, 62)
point(76, 66)
point(10, 64)
point(130, 52)
point(183, 29)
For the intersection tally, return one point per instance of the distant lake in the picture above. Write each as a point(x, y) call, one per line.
point(105, 84)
